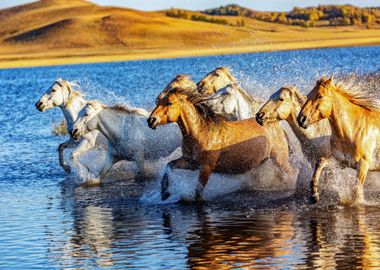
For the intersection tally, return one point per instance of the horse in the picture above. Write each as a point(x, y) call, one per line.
point(62, 94)
point(285, 104)
point(226, 95)
point(180, 80)
point(354, 116)
point(218, 145)
point(129, 136)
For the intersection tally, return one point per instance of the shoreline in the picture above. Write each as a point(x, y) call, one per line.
point(91, 56)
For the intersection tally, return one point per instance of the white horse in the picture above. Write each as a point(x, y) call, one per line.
point(61, 94)
point(233, 102)
point(226, 97)
point(129, 136)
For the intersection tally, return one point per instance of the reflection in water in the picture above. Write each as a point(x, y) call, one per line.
point(122, 233)
point(343, 239)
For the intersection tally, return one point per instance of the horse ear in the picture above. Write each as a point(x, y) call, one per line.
point(330, 81)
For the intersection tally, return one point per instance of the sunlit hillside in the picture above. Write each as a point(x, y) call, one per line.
point(75, 31)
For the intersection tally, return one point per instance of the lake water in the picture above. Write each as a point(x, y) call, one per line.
point(47, 223)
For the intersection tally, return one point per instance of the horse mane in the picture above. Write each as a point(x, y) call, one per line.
point(70, 87)
point(210, 119)
point(252, 101)
point(355, 94)
point(122, 108)
point(226, 70)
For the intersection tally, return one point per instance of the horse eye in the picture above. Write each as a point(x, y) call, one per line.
point(53, 91)
point(169, 103)
point(320, 97)
point(281, 99)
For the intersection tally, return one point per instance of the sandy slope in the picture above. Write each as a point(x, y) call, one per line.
point(51, 32)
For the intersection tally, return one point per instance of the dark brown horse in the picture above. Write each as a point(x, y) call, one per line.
point(218, 145)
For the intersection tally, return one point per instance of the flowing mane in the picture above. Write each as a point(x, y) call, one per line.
point(210, 118)
point(70, 87)
point(126, 109)
point(227, 71)
point(356, 94)
point(122, 108)
point(247, 97)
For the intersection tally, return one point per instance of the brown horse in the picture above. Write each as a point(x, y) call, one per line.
point(218, 145)
point(355, 121)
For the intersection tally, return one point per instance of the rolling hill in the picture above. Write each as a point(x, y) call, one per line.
point(76, 31)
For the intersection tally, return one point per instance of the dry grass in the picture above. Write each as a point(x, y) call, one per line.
point(63, 32)
point(60, 129)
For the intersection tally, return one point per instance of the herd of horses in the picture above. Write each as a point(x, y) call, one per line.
point(224, 129)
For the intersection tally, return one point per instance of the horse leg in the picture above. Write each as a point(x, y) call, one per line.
point(181, 163)
point(282, 160)
point(83, 146)
point(321, 164)
point(361, 176)
point(204, 175)
point(208, 164)
point(68, 144)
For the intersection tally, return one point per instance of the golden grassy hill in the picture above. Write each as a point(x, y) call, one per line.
point(77, 31)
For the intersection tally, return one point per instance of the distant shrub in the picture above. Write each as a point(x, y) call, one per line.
point(60, 129)
point(203, 18)
point(334, 15)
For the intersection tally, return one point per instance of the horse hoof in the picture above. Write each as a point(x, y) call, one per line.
point(165, 196)
point(314, 199)
point(67, 169)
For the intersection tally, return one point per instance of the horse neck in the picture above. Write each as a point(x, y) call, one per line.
point(342, 117)
point(303, 135)
point(71, 109)
point(190, 122)
point(245, 105)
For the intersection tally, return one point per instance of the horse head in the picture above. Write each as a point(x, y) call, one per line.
point(280, 105)
point(215, 80)
point(87, 119)
point(224, 101)
point(58, 94)
point(318, 104)
point(180, 81)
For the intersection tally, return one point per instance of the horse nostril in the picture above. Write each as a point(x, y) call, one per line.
point(151, 121)
point(260, 115)
point(301, 119)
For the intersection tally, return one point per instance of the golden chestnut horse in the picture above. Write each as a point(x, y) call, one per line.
point(218, 145)
point(355, 121)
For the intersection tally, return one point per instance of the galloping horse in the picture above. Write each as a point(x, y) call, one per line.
point(129, 137)
point(218, 145)
point(285, 104)
point(61, 94)
point(226, 95)
point(355, 121)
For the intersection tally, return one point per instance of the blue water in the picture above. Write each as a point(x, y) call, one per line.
point(47, 223)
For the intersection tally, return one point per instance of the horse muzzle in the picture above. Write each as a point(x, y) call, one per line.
point(153, 122)
point(260, 118)
point(40, 106)
point(302, 121)
point(75, 134)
